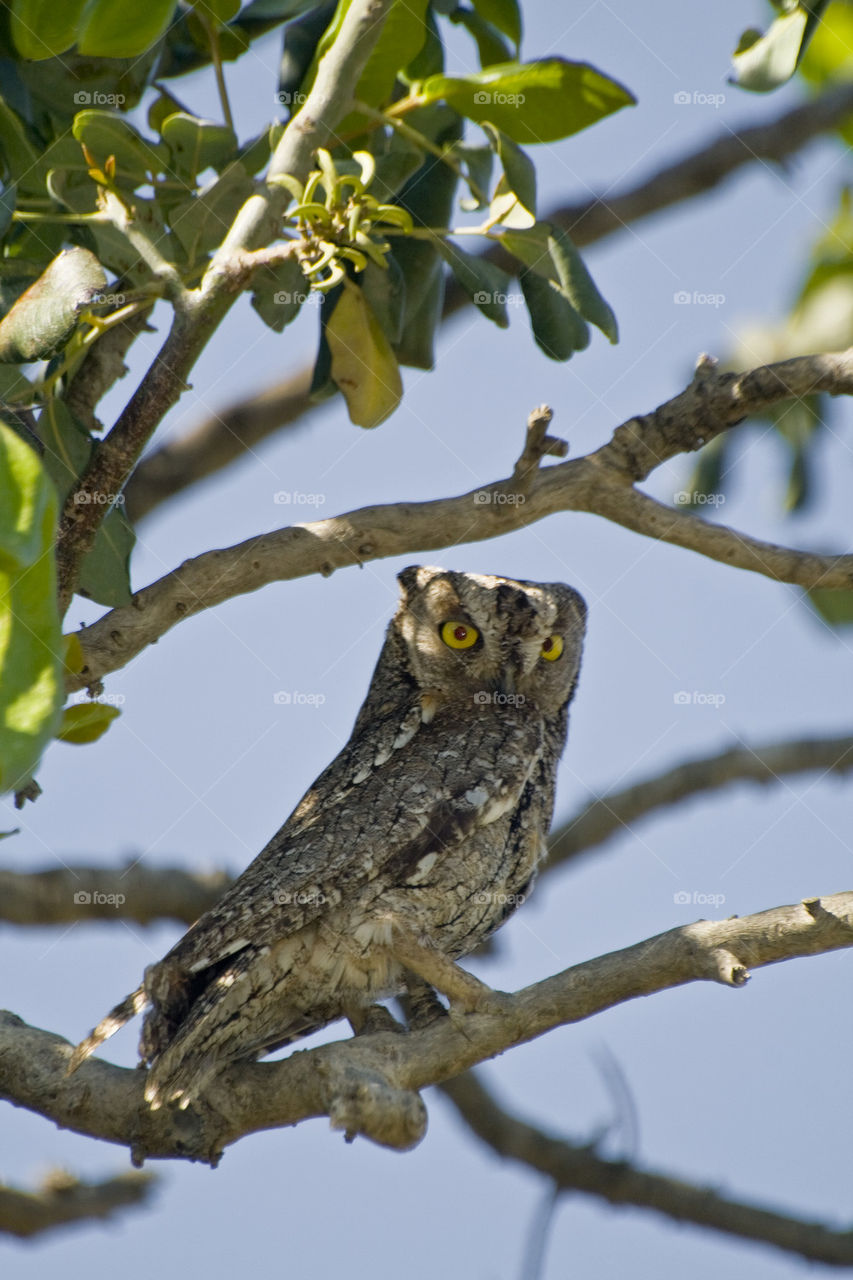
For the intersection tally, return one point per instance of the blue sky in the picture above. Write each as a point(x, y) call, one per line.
point(744, 1090)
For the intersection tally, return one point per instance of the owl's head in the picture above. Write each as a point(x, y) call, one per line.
point(485, 638)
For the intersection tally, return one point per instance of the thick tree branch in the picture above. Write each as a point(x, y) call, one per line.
point(600, 483)
point(616, 811)
point(221, 439)
point(136, 892)
point(573, 1167)
point(63, 1201)
point(144, 894)
point(370, 1084)
point(199, 312)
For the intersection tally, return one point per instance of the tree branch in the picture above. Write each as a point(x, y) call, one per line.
point(573, 1167)
point(616, 811)
point(136, 892)
point(199, 312)
point(63, 1201)
point(370, 1085)
point(601, 483)
point(221, 439)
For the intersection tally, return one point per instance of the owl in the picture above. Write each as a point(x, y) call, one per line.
point(420, 838)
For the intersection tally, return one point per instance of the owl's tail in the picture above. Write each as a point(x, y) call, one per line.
point(114, 1021)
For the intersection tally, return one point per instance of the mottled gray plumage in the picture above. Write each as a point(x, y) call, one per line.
point(432, 819)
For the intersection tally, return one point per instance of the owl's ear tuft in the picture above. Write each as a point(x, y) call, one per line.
point(415, 578)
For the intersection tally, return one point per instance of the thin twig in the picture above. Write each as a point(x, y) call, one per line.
point(576, 1167)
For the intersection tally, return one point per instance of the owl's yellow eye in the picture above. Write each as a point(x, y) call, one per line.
point(552, 648)
point(459, 635)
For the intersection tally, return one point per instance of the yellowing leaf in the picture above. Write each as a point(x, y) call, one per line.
point(86, 722)
point(364, 367)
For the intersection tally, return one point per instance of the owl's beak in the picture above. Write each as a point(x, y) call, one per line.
point(509, 678)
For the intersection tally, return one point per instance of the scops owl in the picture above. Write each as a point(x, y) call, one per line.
point(420, 838)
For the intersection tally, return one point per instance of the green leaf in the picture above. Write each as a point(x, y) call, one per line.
point(491, 49)
point(14, 387)
point(105, 569)
point(278, 294)
point(45, 316)
point(429, 60)
point(254, 155)
point(834, 605)
point(486, 285)
point(123, 28)
point(106, 134)
point(19, 153)
point(364, 367)
point(201, 223)
point(503, 14)
point(219, 11)
point(196, 145)
point(67, 446)
point(394, 166)
point(86, 722)
point(31, 688)
point(8, 197)
point(763, 62)
point(478, 162)
point(829, 56)
point(558, 329)
point(402, 36)
point(519, 170)
point(578, 285)
point(385, 291)
point(429, 197)
point(73, 657)
point(43, 28)
point(539, 101)
point(550, 253)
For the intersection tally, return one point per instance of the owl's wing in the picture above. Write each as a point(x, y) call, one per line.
point(382, 805)
point(391, 797)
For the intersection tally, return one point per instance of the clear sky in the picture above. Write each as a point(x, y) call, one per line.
point(744, 1090)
